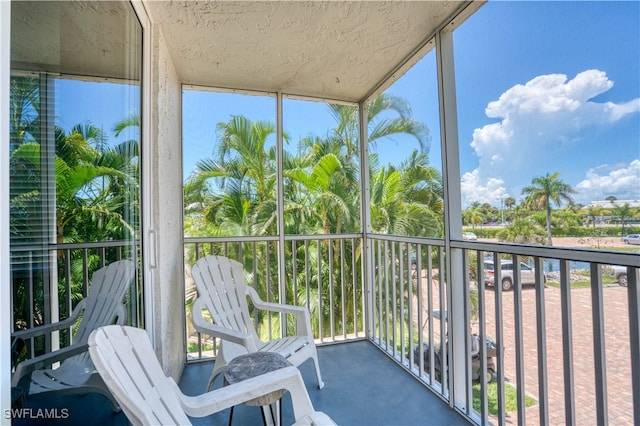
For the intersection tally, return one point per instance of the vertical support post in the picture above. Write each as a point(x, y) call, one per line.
point(633, 293)
point(365, 224)
point(541, 325)
point(519, 338)
point(282, 273)
point(48, 206)
point(599, 349)
point(497, 287)
point(148, 236)
point(452, 215)
point(482, 321)
point(567, 342)
point(5, 292)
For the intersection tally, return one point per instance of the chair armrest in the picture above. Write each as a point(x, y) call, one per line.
point(28, 366)
point(303, 322)
point(288, 378)
point(54, 326)
point(211, 329)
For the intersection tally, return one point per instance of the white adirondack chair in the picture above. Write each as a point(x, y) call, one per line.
point(76, 374)
point(126, 361)
point(223, 292)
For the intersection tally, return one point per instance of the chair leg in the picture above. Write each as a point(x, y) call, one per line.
point(268, 415)
point(316, 364)
point(216, 371)
point(231, 415)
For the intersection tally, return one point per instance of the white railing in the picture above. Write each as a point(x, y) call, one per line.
point(37, 270)
point(563, 339)
point(561, 344)
point(322, 273)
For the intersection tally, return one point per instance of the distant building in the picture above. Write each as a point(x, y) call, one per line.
point(609, 204)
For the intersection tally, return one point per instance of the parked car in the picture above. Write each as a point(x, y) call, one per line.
point(620, 272)
point(470, 236)
point(631, 239)
point(527, 274)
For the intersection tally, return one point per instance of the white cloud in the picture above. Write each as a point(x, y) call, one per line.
point(473, 190)
point(622, 180)
point(540, 122)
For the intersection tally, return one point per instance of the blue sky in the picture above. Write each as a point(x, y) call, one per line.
point(542, 87)
point(548, 87)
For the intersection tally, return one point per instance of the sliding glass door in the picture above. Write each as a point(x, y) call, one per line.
point(74, 125)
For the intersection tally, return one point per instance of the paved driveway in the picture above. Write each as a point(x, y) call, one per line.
point(620, 402)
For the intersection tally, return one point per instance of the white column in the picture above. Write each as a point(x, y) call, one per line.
point(365, 219)
point(453, 217)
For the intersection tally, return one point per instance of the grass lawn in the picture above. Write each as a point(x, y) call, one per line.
point(510, 398)
point(606, 280)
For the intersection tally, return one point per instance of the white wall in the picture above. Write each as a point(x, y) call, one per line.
point(166, 209)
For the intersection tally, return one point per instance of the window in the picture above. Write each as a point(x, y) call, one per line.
point(74, 152)
point(405, 157)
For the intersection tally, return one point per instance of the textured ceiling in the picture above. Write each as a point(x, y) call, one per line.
point(85, 38)
point(340, 50)
point(327, 49)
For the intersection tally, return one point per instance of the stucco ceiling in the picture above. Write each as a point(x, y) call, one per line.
point(84, 38)
point(341, 50)
point(328, 49)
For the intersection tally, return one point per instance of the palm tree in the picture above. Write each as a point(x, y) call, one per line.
point(509, 202)
point(24, 111)
point(92, 188)
point(132, 120)
point(593, 213)
point(473, 216)
point(94, 194)
point(407, 200)
point(423, 192)
point(522, 231)
point(622, 213)
point(382, 128)
point(543, 191)
point(243, 172)
point(235, 189)
point(404, 199)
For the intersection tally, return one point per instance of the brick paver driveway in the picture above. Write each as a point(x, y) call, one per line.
point(620, 403)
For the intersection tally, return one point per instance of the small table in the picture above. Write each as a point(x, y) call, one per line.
point(255, 364)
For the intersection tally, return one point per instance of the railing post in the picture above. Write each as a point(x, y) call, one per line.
point(519, 338)
point(567, 343)
point(633, 289)
point(497, 287)
point(541, 326)
point(599, 353)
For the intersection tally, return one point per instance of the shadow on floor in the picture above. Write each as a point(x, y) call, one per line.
point(362, 387)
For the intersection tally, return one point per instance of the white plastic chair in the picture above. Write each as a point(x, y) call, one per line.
point(76, 374)
point(126, 361)
point(223, 293)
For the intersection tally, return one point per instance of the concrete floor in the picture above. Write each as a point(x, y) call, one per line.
point(362, 387)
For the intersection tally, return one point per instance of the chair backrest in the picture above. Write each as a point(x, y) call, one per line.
point(221, 286)
point(104, 302)
point(130, 368)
